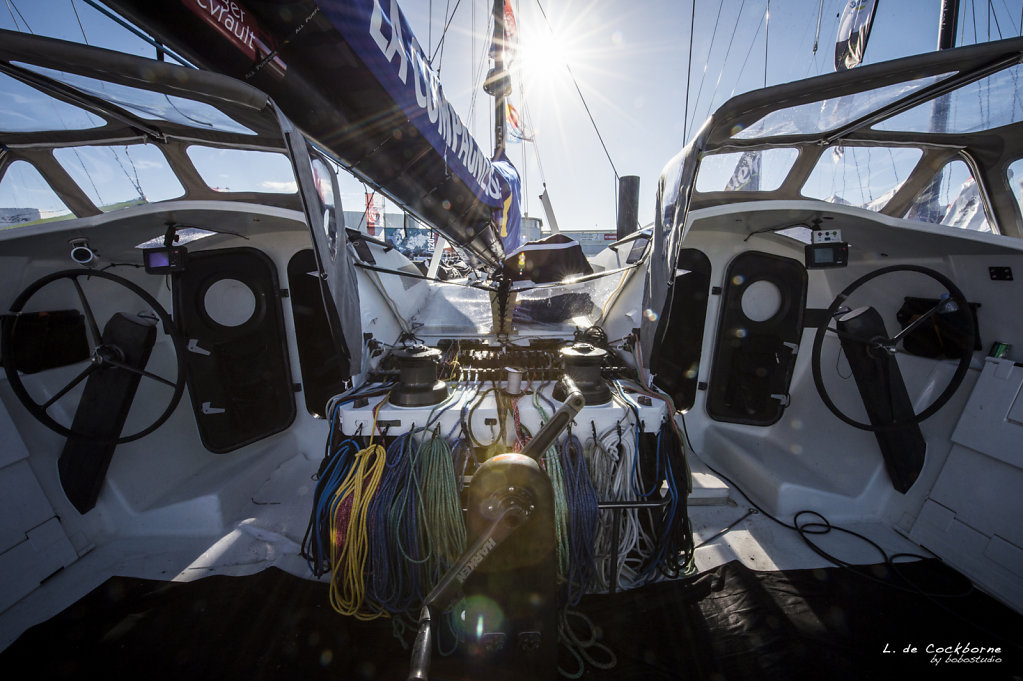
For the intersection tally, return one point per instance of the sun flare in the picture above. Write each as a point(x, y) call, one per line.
point(543, 59)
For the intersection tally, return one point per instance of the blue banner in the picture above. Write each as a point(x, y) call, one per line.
point(508, 216)
point(376, 30)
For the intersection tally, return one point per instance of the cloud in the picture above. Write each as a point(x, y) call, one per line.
point(285, 187)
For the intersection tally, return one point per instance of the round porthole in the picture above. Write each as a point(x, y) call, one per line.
point(229, 302)
point(761, 301)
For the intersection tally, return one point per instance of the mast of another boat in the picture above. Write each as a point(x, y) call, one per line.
point(949, 24)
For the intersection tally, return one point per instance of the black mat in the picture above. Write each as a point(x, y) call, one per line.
point(730, 623)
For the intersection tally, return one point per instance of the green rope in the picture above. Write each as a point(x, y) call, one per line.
point(444, 512)
point(557, 478)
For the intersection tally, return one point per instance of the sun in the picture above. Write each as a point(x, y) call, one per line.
point(542, 59)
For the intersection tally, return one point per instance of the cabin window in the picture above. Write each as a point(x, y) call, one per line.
point(830, 114)
point(26, 198)
point(1015, 177)
point(756, 170)
point(866, 177)
point(25, 109)
point(324, 186)
point(988, 103)
point(185, 235)
point(117, 177)
point(244, 170)
point(952, 198)
point(148, 104)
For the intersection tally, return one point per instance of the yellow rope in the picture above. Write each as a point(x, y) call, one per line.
point(348, 560)
point(349, 540)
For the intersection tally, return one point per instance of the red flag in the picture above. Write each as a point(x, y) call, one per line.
point(511, 33)
point(372, 214)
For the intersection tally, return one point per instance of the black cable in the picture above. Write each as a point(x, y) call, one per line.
point(725, 530)
point(823, 526)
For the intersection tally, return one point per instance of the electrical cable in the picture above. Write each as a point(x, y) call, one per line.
point(822, 526)
point(728, 528)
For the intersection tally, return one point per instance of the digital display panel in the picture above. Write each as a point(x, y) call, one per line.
point(830, 254)
point(164, 260)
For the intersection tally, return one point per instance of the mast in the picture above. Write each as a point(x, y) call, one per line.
point(498, 84)
point(949, 24)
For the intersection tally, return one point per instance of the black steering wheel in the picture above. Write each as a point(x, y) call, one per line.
point(954, 301)
point(104, 356)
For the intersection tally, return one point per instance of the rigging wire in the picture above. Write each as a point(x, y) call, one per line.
point(721, 71)
point(706, 61)
point(689, 73)
point(133, 177)
point(767, 37)
point(444, 35)
point(568, 67)
point(82, 28)
point(817, 35)
point(11, 3)
point(139, 34)
point(998, 25)
point(973, 12)
point(748, 53)
point(13, 18)
point(478, 75)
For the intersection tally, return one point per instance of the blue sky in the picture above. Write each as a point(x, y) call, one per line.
point(631, 59)
point(631, 63)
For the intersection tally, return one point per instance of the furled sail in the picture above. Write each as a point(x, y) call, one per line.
point(351, 75)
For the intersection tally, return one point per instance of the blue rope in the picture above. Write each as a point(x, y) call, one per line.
point(336, 465)
point(583, 519)
point(333, 468)
point(390, 585)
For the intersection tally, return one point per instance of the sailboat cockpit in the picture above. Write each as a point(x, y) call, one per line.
point(809, 365)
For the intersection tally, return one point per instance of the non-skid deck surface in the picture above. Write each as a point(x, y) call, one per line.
point(729, 623)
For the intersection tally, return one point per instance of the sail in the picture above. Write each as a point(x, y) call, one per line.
point(853, 32)
point(351, 75)
point(747, 173)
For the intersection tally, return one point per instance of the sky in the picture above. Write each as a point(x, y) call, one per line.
point(609, 86)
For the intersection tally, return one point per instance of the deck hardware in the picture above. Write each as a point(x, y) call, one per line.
point(1000, 273)
point(208, 408)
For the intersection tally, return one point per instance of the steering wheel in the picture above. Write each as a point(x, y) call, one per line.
point(104, 356)
point(890, 346)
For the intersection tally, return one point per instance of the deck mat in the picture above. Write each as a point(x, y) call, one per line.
point(730, 623)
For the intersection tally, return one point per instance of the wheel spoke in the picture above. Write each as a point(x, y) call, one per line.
point(64, 391)
point(916, 323)
point(140, 372)
point(93, 326)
